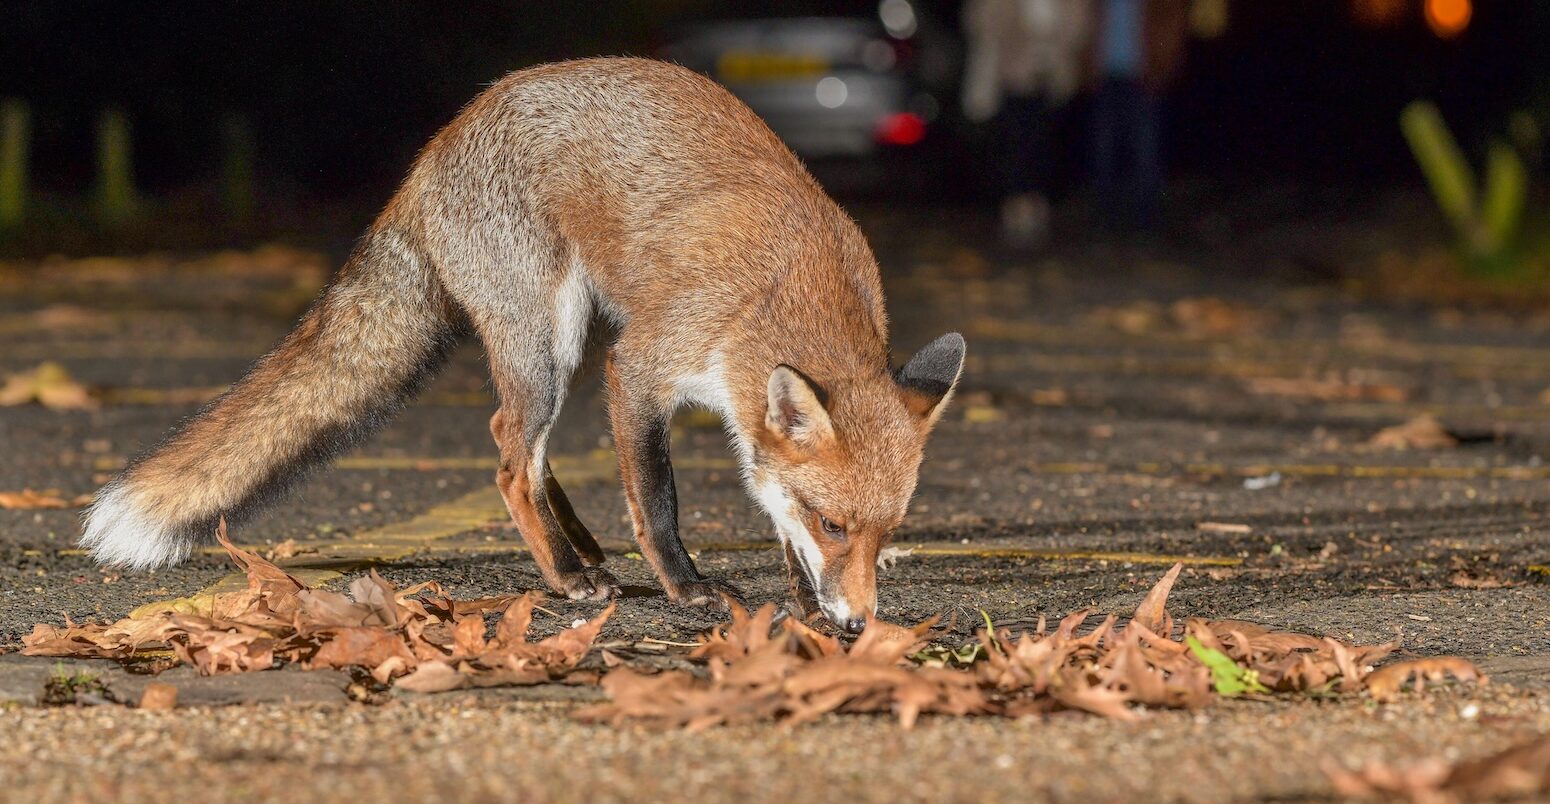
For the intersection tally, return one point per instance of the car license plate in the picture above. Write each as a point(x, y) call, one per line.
point(744, 66)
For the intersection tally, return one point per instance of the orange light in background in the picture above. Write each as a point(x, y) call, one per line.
point(1379, 13)
point(1208, 18)
point(1448, 18)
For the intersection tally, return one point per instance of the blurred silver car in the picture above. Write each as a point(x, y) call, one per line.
point(843, 87)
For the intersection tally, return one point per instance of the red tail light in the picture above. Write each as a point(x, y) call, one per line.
point(901, 128)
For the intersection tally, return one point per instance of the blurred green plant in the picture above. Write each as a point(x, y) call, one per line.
point(15, 125)
point(116, 199)
point(1526, 132)
point(1488, 218)
point(237, 167)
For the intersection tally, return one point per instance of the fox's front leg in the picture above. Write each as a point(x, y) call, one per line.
point(640, 426)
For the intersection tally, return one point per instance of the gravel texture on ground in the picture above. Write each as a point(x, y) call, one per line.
point(1121, 407)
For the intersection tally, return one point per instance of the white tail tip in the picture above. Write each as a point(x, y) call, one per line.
point(118, 533)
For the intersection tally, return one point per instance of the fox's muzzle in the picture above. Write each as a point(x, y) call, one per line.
point(841, 578)
point(846, 590)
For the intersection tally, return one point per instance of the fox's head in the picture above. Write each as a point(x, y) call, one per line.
point(836, 463)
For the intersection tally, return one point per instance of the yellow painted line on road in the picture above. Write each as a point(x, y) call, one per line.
point(374, 546)
point(1421, 472)
point(1052, 554)
point(993, 551)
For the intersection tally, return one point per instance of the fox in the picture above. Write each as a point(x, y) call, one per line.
point(624, 192)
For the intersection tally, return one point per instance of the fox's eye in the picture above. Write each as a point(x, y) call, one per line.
point(830, 527)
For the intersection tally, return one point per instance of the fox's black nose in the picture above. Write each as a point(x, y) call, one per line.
point(855, 625)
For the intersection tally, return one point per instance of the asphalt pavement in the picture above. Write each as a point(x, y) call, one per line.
point(1124, 407)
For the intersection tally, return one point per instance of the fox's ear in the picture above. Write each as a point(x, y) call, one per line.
point(796, 412)
point(931, 375)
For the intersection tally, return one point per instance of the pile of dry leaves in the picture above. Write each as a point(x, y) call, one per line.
point(797, 674)
point(419, 635)
point(794, 674)
point(756, 669)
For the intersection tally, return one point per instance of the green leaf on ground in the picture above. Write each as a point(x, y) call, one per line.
point(1227, 676)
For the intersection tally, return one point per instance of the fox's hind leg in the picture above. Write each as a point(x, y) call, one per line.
point(529, 489)
point(531, 361)
point(578, 533)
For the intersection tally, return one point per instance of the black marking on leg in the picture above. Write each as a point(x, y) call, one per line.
point(659, 500)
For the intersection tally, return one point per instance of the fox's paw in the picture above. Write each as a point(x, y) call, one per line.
point(707, 592)
point(592, 583)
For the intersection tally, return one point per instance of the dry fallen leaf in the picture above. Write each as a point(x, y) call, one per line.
point(1195, 317)
point(1224, 527)
point(70, 318)
point(890, 555)
point(288, 549)
point(1211, 317)
point(1385, 684)
point(1152, 613)
point(508, 659)
point(1464, 580)
point(1523, 770)
point(1332, 389)
point(158, 696)
point(28, 500)
point(1519, 772)
point(50, 385)
point(1422, 432)
point(1137, 318)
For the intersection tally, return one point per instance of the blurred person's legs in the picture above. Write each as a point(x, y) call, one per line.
point(1027, 133)
point(1127, 154)
point(1107, 132)
point(1147, 184)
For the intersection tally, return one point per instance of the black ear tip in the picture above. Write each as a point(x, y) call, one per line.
point(946, 347)
point(935, 367)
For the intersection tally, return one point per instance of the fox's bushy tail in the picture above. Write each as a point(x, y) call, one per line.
point(382, 327)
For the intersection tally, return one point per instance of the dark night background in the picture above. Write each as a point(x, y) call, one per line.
point(340, 95)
